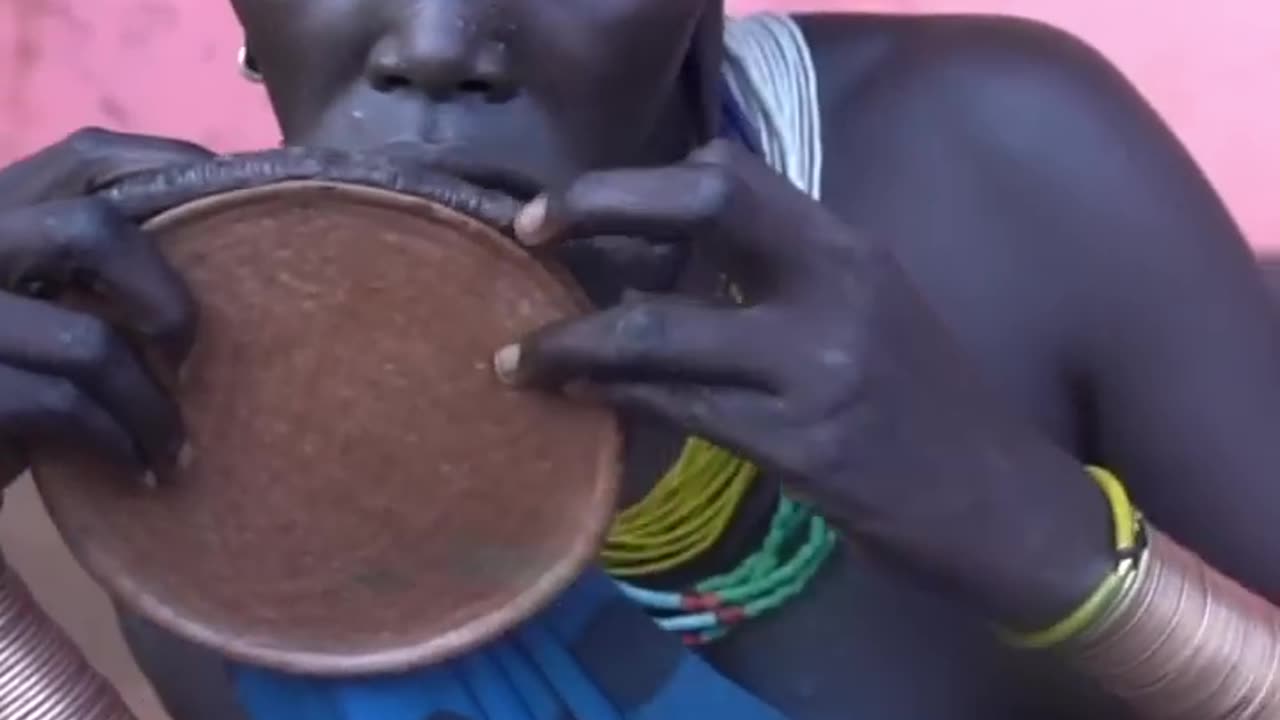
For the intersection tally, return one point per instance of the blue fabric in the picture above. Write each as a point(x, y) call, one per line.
point(592, 655)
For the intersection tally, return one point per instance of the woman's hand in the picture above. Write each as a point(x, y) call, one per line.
point(833, 374)
point(71, 378)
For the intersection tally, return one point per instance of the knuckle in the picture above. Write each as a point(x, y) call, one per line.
point(97, 157)
point(91, 216)
point(60, 398)
point(639, 326)
point(89, 346)
point(715, 192)
point(90, 141)
point(82, 226)
point(824, 451)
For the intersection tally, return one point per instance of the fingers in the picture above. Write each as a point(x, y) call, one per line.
point(668, 339)
point(605, 266)
point(109, 156)
point(40, 410)
point(87, 160)
point(83, 352)
point(647, 201)
point(85, 244)
point(716, 196)
point(730, 417)
point(66, 377)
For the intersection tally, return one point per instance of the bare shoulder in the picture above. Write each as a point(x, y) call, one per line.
point(1015, 143)
point(978, 62)
point(1037, 199)
point(993, 95)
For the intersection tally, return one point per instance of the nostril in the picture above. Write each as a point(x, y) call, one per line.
point(390, 82)
point(475, 87)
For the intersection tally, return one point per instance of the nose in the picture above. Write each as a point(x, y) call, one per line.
point(444, 49)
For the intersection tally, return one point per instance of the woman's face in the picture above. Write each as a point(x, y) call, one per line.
point(545, 88)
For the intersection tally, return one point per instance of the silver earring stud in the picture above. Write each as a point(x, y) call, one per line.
point(248, 69)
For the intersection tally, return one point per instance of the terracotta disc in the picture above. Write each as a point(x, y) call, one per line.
point(363, 495)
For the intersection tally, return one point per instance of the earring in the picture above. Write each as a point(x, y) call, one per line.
point(248, 68)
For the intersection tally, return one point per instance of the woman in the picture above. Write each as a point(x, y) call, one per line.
point(988, 265)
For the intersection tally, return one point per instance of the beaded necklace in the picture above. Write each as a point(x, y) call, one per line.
point(798, 543)
point(683, 516)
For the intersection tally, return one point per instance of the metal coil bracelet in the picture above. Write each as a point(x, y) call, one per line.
point(43, 676)
point(1185, 642)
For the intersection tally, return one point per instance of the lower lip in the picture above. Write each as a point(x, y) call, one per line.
point(462, 160)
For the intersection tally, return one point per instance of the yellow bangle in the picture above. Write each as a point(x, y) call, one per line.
point(1128, 535)
point(1127, 519)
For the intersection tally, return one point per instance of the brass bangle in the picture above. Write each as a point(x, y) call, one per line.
point(1184, 642)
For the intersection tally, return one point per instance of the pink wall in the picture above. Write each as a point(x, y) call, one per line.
point(167, 66)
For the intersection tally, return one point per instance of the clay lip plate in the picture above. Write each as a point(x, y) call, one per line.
point(363, 496)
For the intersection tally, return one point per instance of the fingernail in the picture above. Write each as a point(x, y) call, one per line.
point(506, 362)
point(149, 480)
point(530, 219)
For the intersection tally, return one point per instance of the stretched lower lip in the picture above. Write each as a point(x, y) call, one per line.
point(463, 161)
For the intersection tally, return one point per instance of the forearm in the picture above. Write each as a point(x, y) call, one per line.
point(1027, 544)
point(1181, 640)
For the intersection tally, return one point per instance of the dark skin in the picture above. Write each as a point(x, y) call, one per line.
point(989, 295)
